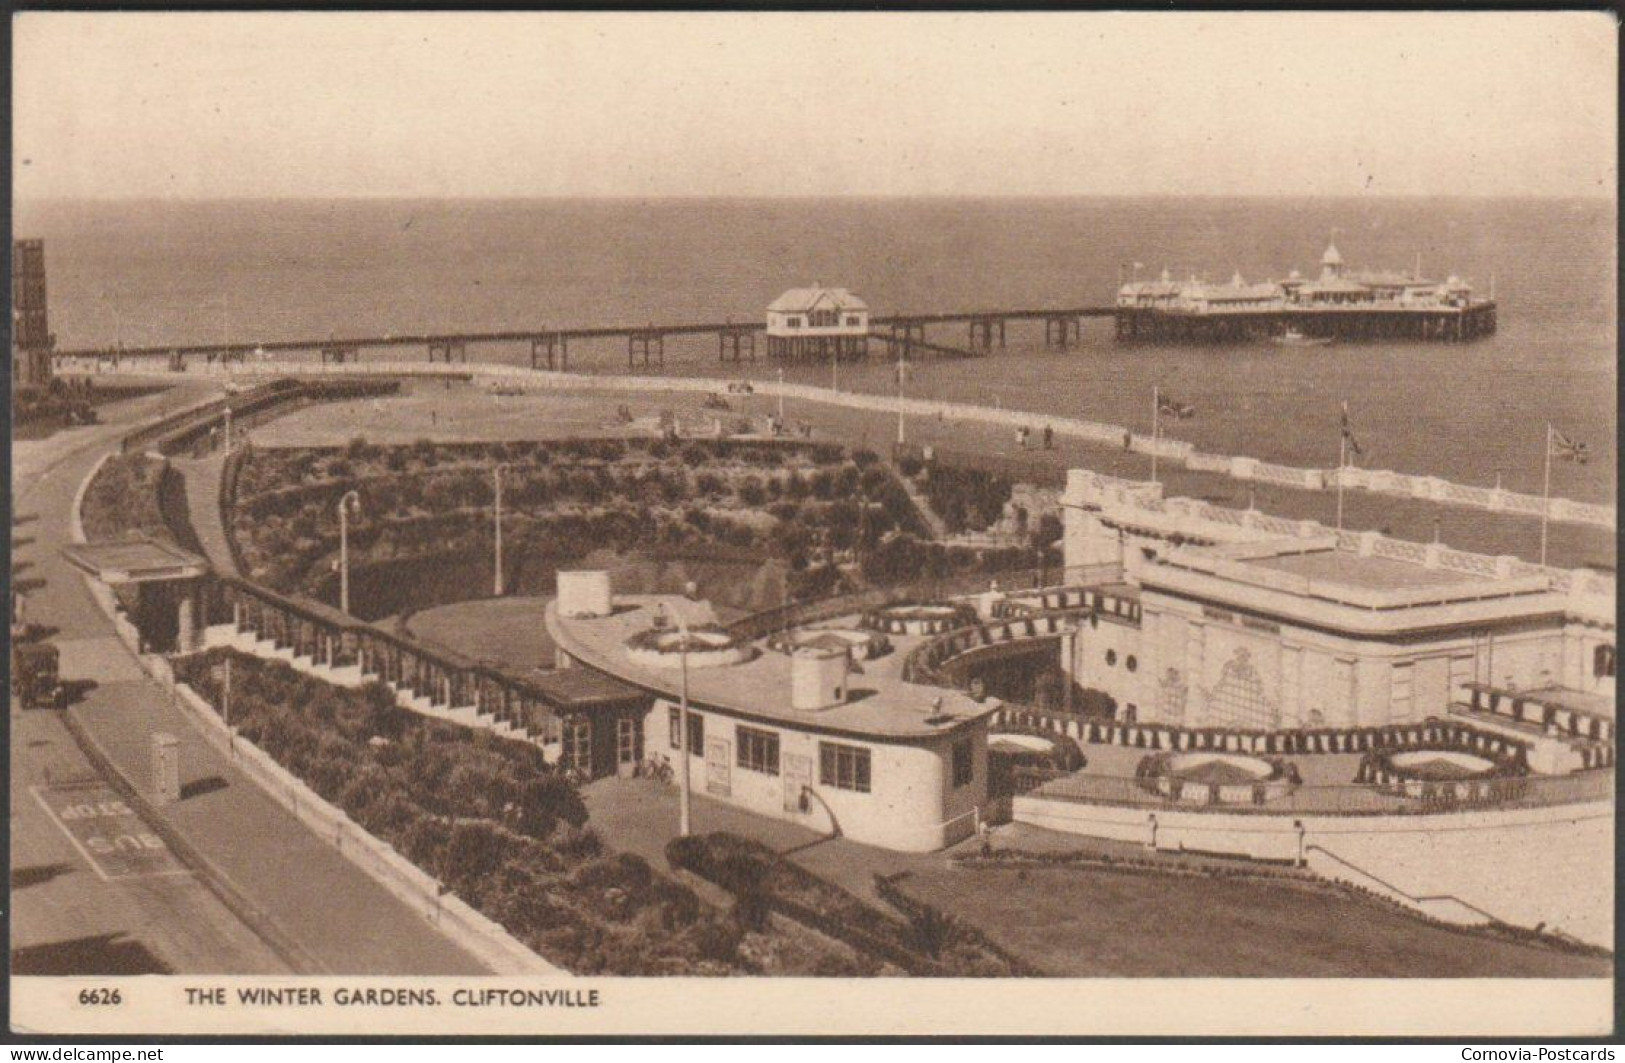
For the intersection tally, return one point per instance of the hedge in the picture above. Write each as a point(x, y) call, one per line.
point(487, 816)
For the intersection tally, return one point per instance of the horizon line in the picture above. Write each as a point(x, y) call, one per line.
point(1609, 197)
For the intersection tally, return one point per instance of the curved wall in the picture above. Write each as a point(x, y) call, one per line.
point(1525, 866)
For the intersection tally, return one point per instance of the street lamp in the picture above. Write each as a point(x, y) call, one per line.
point(901, 437)
point(496, 474)
point(684, 811)
point(351, 500)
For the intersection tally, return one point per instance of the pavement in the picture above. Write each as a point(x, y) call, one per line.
point(98, 890)
point(202, 477)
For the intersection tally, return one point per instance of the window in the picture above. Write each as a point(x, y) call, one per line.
point(1131, 663)
point(758, 750)
point(792, 322)
point(1111, 657)
point(577, 744)
point(964, 762)
point(823, 319)
point(696, 729)
point(1602, 662)
point(843, 767)
point(853, 321)
point(628, 740)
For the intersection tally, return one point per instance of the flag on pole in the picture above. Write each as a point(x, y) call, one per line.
point(1182, 411)
point(1348, 433)
point(1566, 449)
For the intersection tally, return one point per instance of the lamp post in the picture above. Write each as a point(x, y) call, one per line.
point(685, 792)
point(496, 473)
point(351, 499)
point(902, 438)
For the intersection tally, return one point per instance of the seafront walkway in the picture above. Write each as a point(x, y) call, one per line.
point(321, 912)
point(203, 507)
point(1168, 449)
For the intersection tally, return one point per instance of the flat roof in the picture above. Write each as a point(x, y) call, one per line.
point(571, 688)
point(1352, 570)
point(881, 706)
point(137, 559)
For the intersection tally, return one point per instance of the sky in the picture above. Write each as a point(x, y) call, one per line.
point(286, 104)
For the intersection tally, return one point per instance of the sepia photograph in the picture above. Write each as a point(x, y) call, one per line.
point(865, 524)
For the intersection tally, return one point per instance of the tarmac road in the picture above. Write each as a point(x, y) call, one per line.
point(90, 892)
point(95, 890)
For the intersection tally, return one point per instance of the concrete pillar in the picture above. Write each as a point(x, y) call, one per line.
point(166, 769)
point(186, 619)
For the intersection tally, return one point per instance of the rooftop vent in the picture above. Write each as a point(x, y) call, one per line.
point(585, 594)
point(817, 678)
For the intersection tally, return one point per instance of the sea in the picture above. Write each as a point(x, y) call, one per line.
point(161, 272)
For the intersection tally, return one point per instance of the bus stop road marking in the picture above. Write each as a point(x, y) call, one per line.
point(107, 832)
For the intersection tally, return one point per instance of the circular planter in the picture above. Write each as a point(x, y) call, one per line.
point(1444, 775)
point(708, 646)
point(919, 618)
point(859, 645)
point(1014, 747)
point(1212, 777)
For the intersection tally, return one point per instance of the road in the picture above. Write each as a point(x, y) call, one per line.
point(91, 892)
point(94, 889)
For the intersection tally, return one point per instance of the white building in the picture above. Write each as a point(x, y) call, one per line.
point(1256, 622)
point(817, 323)
point(802, 735)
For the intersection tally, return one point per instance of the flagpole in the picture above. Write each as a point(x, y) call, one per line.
point(1156, 408)
point(1546, 493)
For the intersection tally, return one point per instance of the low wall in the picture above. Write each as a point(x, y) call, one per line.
point(1526, 867)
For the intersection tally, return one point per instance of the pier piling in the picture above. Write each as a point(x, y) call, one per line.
point(448, 349)
point(645, 346)
point(736, 344)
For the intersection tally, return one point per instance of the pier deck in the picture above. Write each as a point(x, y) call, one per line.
point(549, 347)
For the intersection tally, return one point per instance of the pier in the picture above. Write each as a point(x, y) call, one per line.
point(986, 332)
point(645, 344)
point(1346, 323)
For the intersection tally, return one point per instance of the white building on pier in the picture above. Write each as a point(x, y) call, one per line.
point(816, 324)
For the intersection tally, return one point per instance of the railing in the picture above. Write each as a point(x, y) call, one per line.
point(177, 423)
point(926, 662)
point(1154, 737)
point(1350, 800)
point(797, 614)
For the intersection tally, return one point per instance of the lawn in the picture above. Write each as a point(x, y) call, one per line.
point(509, 630)
point(1082, 923)
point(1088, 923)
